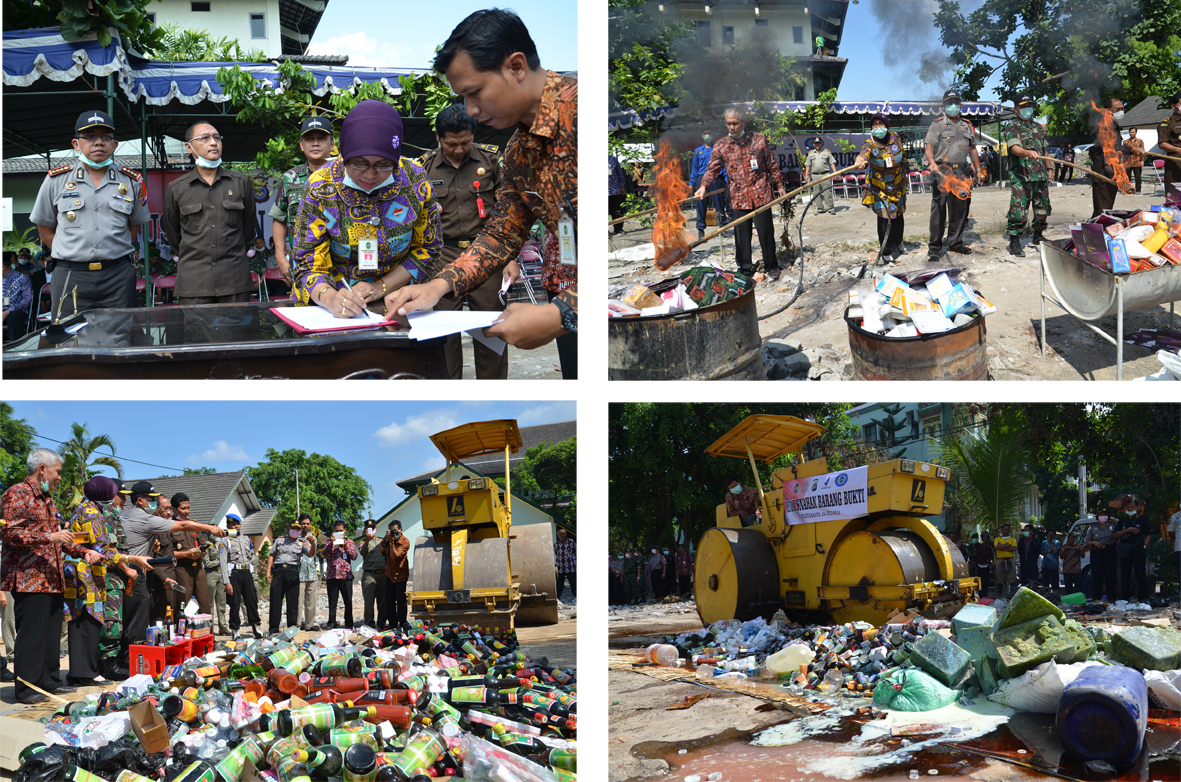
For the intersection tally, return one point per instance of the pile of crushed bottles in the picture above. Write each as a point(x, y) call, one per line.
point(426, 701)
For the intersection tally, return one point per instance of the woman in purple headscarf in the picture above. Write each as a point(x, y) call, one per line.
point(369, 219)
point(886, 184)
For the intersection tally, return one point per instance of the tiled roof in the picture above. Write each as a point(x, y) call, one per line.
point(207, 493)
point(256, 523)
point(1145, 113)
point(37, 165)
point(318, 59)
point(492, 465)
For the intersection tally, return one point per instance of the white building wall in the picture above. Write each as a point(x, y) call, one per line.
point(225, 19)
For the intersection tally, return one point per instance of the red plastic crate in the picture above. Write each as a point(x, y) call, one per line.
point(177, 653)
point(146, 659)
point(202, 645)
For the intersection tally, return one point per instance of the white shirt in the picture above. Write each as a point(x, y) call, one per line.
point(1175, 528)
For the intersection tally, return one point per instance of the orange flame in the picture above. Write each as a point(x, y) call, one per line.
point(1109, 139)
point(668, 232)
point(958, 185)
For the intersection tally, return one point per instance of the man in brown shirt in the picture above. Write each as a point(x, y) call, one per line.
point(163, 577)
point(209, 221)
point(187, 547)
point(1168, 137)
point(397, 572)
point(465, 178)
point(1134, 149)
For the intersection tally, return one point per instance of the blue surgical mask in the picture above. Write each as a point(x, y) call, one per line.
point(1131, 513)
point(1025, 113)
point(708, 139)
point(45, 487)
point(204, 163)
point(348, 180)
point(879, 133)
point(741, 133)
point(92, 164)
point(152, 507)
point(736, 489)
point(952, 110)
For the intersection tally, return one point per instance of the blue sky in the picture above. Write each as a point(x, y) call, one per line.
point(383, 441)
point(407, 37)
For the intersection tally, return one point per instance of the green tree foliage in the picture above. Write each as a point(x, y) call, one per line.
point(78, 18)
point(285, 106)
point(16, 440)
point(181, 45)
point(992, 464)
point(1065, 53)
point(642, 64)
point(550, 472)
point(660, 480)
point(328, 490)
point(79, 457)
point(892, 425)
point(199, 471)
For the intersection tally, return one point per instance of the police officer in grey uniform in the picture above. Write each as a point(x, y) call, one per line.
point(283, 573)
point(819, 164)
point(235, 553)
point(217, 588)
point(88, 214)
point(465, 177)
point(950, 149)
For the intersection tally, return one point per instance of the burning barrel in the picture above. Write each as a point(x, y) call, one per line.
point(958, 354)
point(718, 342)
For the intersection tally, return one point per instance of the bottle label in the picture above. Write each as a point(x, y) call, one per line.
point(298, 664)
point(469, 695)
point(78, 775)
point(197, 771)
point(564, 759)
point(280, 658)
point(320, 715)
point(127, 775)
point(422, 750)
point(231, 766)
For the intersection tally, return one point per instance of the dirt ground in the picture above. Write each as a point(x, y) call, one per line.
point(836, 246)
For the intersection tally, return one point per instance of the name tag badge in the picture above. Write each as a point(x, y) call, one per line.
point(567, 252)
point(367, 253)
point(754, 164)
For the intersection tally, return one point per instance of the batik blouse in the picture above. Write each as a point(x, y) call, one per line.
point(334, 216)
point(86, 584)
point(886, 193)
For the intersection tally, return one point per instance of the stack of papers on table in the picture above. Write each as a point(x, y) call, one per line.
point(317, 320)
point(429, 324)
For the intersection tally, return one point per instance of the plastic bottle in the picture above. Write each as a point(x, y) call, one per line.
point(662, 654)
point(789, 659)
point(1103, 714)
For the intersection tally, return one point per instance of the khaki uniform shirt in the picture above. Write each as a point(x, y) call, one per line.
point(952, 140)
point(456, 193)
point(287, 551)
point(1169, 132)
point(820, 163)
point(210, 227)
point(237, 551)
point(92, 223)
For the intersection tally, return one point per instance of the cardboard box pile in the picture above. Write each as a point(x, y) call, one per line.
point(1127, 243)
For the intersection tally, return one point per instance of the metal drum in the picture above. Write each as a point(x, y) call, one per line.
point(1090, 293)
point(719, 342)
point(959, 354)
point(735, 574)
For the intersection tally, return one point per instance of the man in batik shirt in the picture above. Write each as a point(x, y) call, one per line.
point(742, 502)
point(751, 170)
point(503, 85)
point(565, 559)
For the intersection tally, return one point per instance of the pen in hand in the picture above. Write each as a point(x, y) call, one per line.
point(361, 314)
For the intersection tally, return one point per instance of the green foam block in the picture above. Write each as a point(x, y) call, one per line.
point(986, 671)
point(1147, 648)
point(1084, 645)
point(1024, 606)
point(976, 641)
point(973, 615)
point(1029, 644)
point(942, 659)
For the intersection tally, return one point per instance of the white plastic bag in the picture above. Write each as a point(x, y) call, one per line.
point(1038, 690)
point(94, 732)
point(1165, 686)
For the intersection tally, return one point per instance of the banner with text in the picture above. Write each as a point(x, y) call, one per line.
point(834, 495)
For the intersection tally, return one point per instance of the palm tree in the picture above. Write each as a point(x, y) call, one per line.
point(991, 466)
point(78, 460)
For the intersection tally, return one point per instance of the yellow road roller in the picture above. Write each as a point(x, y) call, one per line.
point(474, 566)
point(801, 556)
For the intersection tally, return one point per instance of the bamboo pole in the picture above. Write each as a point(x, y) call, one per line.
point(1084, 169)
point(43, 692)
point(619, 220)
point(1166, 157)
point(767, 206)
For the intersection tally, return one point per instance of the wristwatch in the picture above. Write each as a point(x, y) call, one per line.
point(569, 316)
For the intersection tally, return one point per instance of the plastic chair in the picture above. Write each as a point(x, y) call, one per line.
point(259, 294)
point(274, 274)
point(856, 182)
point(164, 283)
point(48, 314)
point(915, 179)
point(1158, 166)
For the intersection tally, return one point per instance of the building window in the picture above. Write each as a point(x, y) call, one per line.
point(195, 6)
point(258, 26)
point(151, 18)
point(703, 34)
point(797, 35)
point(762, 23)
point(800, 94)
point(871, 432)
point(728, 35)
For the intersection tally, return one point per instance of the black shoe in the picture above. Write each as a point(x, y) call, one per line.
point(114, 671)
point(700, 235)
point(773, 273)
point(6, 675)
point(1015, 246)
point(933, 257)
point(330, 626)
point(255, 631)
point(961, 250)
point(78, 681)
point(62, 689)
point(34, 698)
point(1037, 238)
point(314, 629)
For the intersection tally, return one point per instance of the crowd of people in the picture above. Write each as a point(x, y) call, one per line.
point(366, 228)
point(1113, 545)
point(634, 578)
point(126, 557)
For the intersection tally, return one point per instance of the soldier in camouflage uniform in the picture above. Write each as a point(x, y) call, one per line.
point(632, 585)
point(1029, 175)
point(112, 649)
point(315, 141)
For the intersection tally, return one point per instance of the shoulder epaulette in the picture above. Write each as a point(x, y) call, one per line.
point(61, 169)
point(131, 172)
point(421, 159)
point(489, 147)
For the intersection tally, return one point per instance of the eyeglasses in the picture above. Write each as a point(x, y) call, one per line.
point(207, 137)
point(362, 166)
point(93, 137)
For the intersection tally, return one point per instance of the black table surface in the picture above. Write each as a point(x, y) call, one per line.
point(202, 332)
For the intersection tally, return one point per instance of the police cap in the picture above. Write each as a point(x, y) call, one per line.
point(93, 119)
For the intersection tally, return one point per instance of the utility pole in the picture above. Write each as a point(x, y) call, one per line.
point(297, 494)
point(1082, 487)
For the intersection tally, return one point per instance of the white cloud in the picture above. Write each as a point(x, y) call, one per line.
point(220, 452)
point(547, 413)
point(436, 462)
point(414, 428)
point(373, 52)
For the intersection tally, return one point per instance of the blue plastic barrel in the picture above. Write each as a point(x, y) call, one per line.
point(1102, 715)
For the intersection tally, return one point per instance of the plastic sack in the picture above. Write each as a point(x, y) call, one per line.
point(913, 690)
point(1165, 686)
point(483, 761)
point(1039, 689)
point(96, 732)
point(640, 297)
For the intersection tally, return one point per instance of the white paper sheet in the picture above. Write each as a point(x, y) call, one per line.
point(320, 319)
point(428, 324)
point(931, 322)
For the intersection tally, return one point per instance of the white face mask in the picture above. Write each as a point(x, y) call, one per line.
point(1118, 115)
point(205, 163)
point(348, 180)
